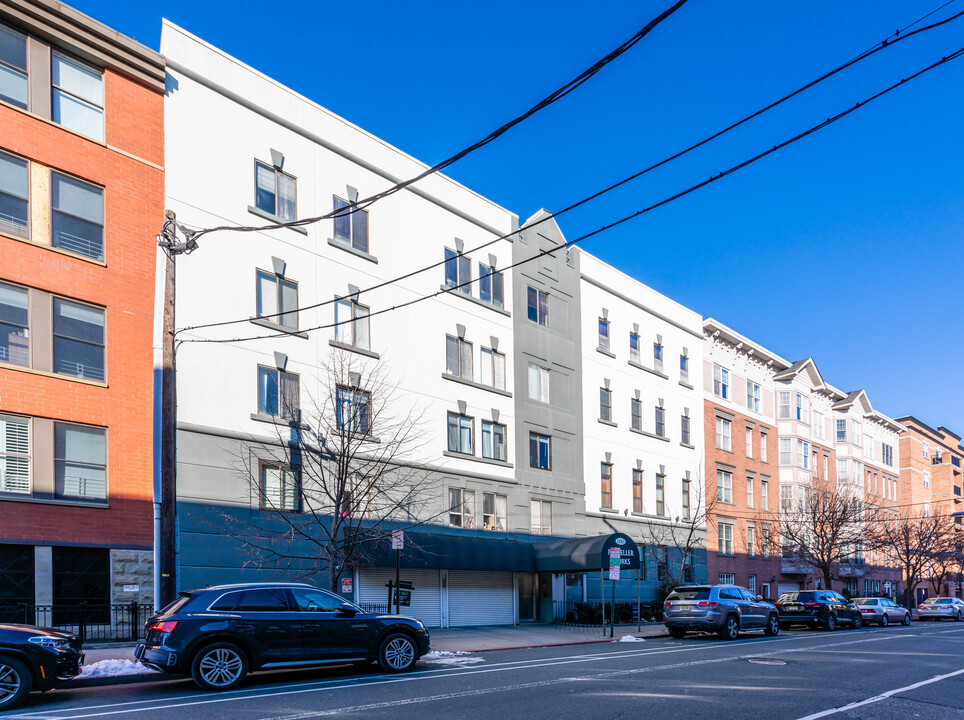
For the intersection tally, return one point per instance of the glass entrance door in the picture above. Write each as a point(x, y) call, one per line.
point(528, 596)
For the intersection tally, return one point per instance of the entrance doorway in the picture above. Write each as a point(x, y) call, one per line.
point(528, 597)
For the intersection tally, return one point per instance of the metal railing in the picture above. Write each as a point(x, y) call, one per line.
point(374, 607)
point(570, 612)
point(93, 622)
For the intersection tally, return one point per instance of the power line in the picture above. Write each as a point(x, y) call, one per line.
point(498, 132)
point(885, 43)
point(627, 218)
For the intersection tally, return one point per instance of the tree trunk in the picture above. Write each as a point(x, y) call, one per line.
point(909, 592)
point(827, 579)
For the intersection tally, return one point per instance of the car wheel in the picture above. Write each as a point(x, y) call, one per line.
point(221, 666)
point(15, 682)
point(773, 626)
point(959, 616)
point(731, 628)
point(858, 622)
point(397, 653)
point(906, 621)
point(884, 621)
point(831, 623)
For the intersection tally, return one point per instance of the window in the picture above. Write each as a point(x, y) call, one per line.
point(721, 382)
point(605, 404)
point(636, 414)
point(753, 396)
point(727, 578)
point(280, 488)
point(765, 543)
point(540, 514)
point(803, 454)
point(14, 184)
point(764, 495)
point(749, 492)
point(887, 454)
point(351, 227)
point(354, 410)
point(855, 438)
point(925, 447)
point(751, 584)
point(786, 497)
point(78, 340)
point(311, 600)
point(802, 414)
point(723, 440)
point(14, 452)
point(657, 357)
point(637, 490)
point(603, 334)
point(686, 500)
point(684, 422)
point(784, 410)
point(490, 285)
point(726, 548)
point(818, 425)
point(80, 462)
point(868, 447)
point(458, 271)
point(786, 452)
point(841, 470)
point(14, 325)
point(684, 369)
point(494, 512)
point(540, 451)
point(274, 192)
point(460, 433)
point(78, 95)
point(13, 67)
point(462, 508)
point(277, 301)
point(537, 306)
point(606, 484)
point(279, 394)
point(352, 324)
point(750, 541)
point(77, 221)
point(458, 357)
point(842, 431)
point(493, 368)
point(538, 383)
point(493, 441)
point(634, 348)
point(763, 446)
point(660, 421)
point(724, 486)
point(749, 442)
point(927, 479)
point(660, 496)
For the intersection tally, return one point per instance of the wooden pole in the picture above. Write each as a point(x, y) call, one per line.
point(168, 539)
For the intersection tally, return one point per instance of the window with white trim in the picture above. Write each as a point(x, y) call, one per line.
point(751, 542)
point(636, 414)
point(537, 306)
point(686, 500)
point(492, 368)
point(786, 451)
point(764, 495)
point(493, 441)
point(540, 451)
point(660, 421)
point(279, 394)
point(605, 404)
point(887, 454)
point(753, 396)
point(723, 438)
point(603, 334)
point(351, 225)
point(803, 408)
point(458, 357)
point(724, 486)
point(749, 491)
point(721, 382)
point(763, 446)
point(538, 383)
point(275, 192)
point(784, 405)
point(684, 423)
point(495, 512)
point(277, 300)
point(460, 434)
point(458, 271)
point(725, 533)
point(634, 348)
point(491, 286)
point(684, 369)
point(637, 490)
point(77, 100)
point(462, 508)
point(660, 495)
point(352, 324)
point(803, 454)
point(606, 484)
point(540, 513)
point(749, 442)
point(657, 357)
point(280, 488)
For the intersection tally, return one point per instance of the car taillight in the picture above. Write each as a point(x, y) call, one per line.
point(866, 610)
point(164, 627)
point(667, 604)
point(811, 604)
point(707, 603)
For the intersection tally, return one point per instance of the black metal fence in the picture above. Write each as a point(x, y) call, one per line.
point(93, 622)
point(569, 612)
point(374, 607)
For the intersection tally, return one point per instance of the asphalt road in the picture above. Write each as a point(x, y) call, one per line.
point(887, 673)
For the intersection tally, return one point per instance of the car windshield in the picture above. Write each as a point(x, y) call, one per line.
point(797, 597)
point(690, 593)
point(945, 601)
point(865, 601)
point(176, 605)
point(930, 601)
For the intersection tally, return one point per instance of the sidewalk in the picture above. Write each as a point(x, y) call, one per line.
point(118, 658)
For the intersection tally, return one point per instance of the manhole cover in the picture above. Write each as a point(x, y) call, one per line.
point(764, 661)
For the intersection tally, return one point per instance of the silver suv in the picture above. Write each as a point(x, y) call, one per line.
point(723, 609)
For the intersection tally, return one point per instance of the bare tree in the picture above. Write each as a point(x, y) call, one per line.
point(343, 474)
point(825, 528)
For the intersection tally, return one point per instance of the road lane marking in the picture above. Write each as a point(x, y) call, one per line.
point(882, 696)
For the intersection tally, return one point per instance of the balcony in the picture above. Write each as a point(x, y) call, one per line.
point(795, 566)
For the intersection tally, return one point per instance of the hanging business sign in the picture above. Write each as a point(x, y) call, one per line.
point(621, 547)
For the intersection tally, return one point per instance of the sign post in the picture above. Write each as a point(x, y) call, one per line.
point(619, 552)
point(398, 542)
point(615, 561)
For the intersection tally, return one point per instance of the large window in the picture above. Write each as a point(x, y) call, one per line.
point(14, 88)
point(887, 454)
point(721, 382)
point(492, 368)
point(725, 532)
point(686, 500)
point(280, 488)
point(842, 431)
point(352, 326)
point(753, 395)
point(460, 434)
point(14, 325)
point(764, 495)
point(749, 492)
point(277, 299)
point(765, 544)
point(78, 340)
point(540, 514)
point(657, 357)
point(14, 454)
point(80, 462)
point(354, 410)
point(763, 446)
point(275, 192)
point(660, 421)
point(458, 271)
point(351, 225)
point(660, 495)
point(636, 414)
point(490, 285)
point(724, 486)
point(14, 187)
point(279, 394)
point(458, 357)
point(784, 405)
point(751, 543)
point(538, 383)
point(684, 369)
point(493, 441)
point(540, 451)
point(537, 306)
point(461, 508)
point(637, 490)
point(603, 334)
point(723, 437)
point(78, 95)
point(77, 222)
point(802, 406)
point(494, 512)
point(634, 348)
point(684, 423)
point(606, 484)
point(605, 404)
point(749, 442)
point(803, 454)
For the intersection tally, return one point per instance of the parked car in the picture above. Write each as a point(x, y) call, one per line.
point(723, 609)
point(938, 608)
point(882, 611)
point(35, 658)
point(219, 634)
point(818, 608)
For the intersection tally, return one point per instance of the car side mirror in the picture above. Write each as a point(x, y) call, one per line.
point(758, 598)
point(347, 610)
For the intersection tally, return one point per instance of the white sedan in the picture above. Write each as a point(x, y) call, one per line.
point(938, 608)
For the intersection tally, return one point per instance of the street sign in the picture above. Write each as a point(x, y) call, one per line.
point(403, 593)
point(614, 572)
point(398, 539)
point(346, 586)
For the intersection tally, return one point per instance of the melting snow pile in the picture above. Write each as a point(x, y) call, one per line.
point(629, 638)
point(113, 668)
point(445, 657)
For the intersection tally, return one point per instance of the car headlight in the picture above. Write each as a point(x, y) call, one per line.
point(49, 641)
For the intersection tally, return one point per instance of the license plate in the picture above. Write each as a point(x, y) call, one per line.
point(791, 607)
point(685, 608)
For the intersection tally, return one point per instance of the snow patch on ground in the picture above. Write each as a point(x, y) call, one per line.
point(113, 668)
point(629, 638)
point(446, 657)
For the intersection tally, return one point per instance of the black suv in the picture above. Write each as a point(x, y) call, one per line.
point(35, 658)
point(817, 608)
point(218, 634)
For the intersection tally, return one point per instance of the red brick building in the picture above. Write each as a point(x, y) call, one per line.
point(81, 198)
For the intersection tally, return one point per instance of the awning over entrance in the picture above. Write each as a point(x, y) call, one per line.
point(454, 552)
point(583, 554)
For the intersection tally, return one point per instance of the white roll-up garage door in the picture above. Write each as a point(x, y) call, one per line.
point(787, 587)
point(426, 597)
point(480, 598)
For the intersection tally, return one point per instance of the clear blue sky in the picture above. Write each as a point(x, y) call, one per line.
point(846, 246)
